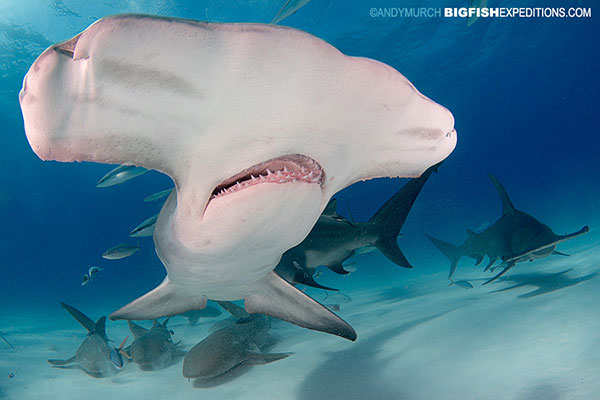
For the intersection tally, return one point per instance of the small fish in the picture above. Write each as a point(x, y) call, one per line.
point(318, 274)
point(93, 271)
point(115, 357)
point(144, 229)
point(7, 342)
point(290, 7)
point(463, 284)
point(120, 251)
point(117, 353)
point(158, 195)
point(338, 298)
point(332, 307)
point(86, 279)
point(11, 375)
point(120, 174)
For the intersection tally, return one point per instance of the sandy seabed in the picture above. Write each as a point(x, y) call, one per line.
point(418, 339)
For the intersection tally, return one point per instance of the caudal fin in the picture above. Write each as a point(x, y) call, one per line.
point(98, 327)
point(451, 251)
point(390, 218)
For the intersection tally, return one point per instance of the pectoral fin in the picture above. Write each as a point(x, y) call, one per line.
point(60, 363)
point(277, 298)
point(253, 358)
point(165, 300)
point(505, 270)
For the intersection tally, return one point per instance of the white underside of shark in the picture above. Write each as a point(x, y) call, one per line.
point(257, 125)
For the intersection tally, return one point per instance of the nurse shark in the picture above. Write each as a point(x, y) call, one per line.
point(515, 237)
point(257, 125)
point(153, 349)
point(94, 356)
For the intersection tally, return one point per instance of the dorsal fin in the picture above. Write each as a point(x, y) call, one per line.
point(471, 232)
point(137, 330)
point(507, 205)
point(330, 208)
point(100, 328)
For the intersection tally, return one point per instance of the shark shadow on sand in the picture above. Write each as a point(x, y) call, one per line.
point(514, 238)
point(334, 238)
point(94, 356)
point(355, 372)
point(545, 283)
point(228, 353)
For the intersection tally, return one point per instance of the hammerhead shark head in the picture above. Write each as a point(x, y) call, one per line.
point(515, 237)
point(258, 126)
point(225, 354)
point(334, 239)
point(94, 356)
point(153, 349)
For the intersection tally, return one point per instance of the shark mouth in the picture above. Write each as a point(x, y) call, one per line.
point(293, 168)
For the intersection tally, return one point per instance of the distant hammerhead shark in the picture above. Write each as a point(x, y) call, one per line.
point(515, 237)
point(224, 354)
point(153, 349)
point(94, 356)
point(334, 239)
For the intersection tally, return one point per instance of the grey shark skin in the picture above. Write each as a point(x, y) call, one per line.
point(194, 316)
point(227, 351)
point(334, 239)
point(514, 238)
point(258, 126)
point(93, 355)
point(153, 349)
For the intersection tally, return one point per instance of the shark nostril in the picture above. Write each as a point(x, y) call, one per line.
point(67, 48)
point(64, 52)
point(452, 132)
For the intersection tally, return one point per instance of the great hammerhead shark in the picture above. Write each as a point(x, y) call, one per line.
point(255, 153)
point(515, 237)
point(334, 239)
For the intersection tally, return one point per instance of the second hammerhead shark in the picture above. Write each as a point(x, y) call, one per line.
point(515, 237)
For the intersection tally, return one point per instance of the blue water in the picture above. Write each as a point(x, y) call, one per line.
point(525, 95)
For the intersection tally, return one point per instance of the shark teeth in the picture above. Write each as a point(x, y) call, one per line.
point(293, 169)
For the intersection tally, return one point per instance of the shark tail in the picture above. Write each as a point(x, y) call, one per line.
point(98, 327)
point(452, 252)
point(390, 218)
